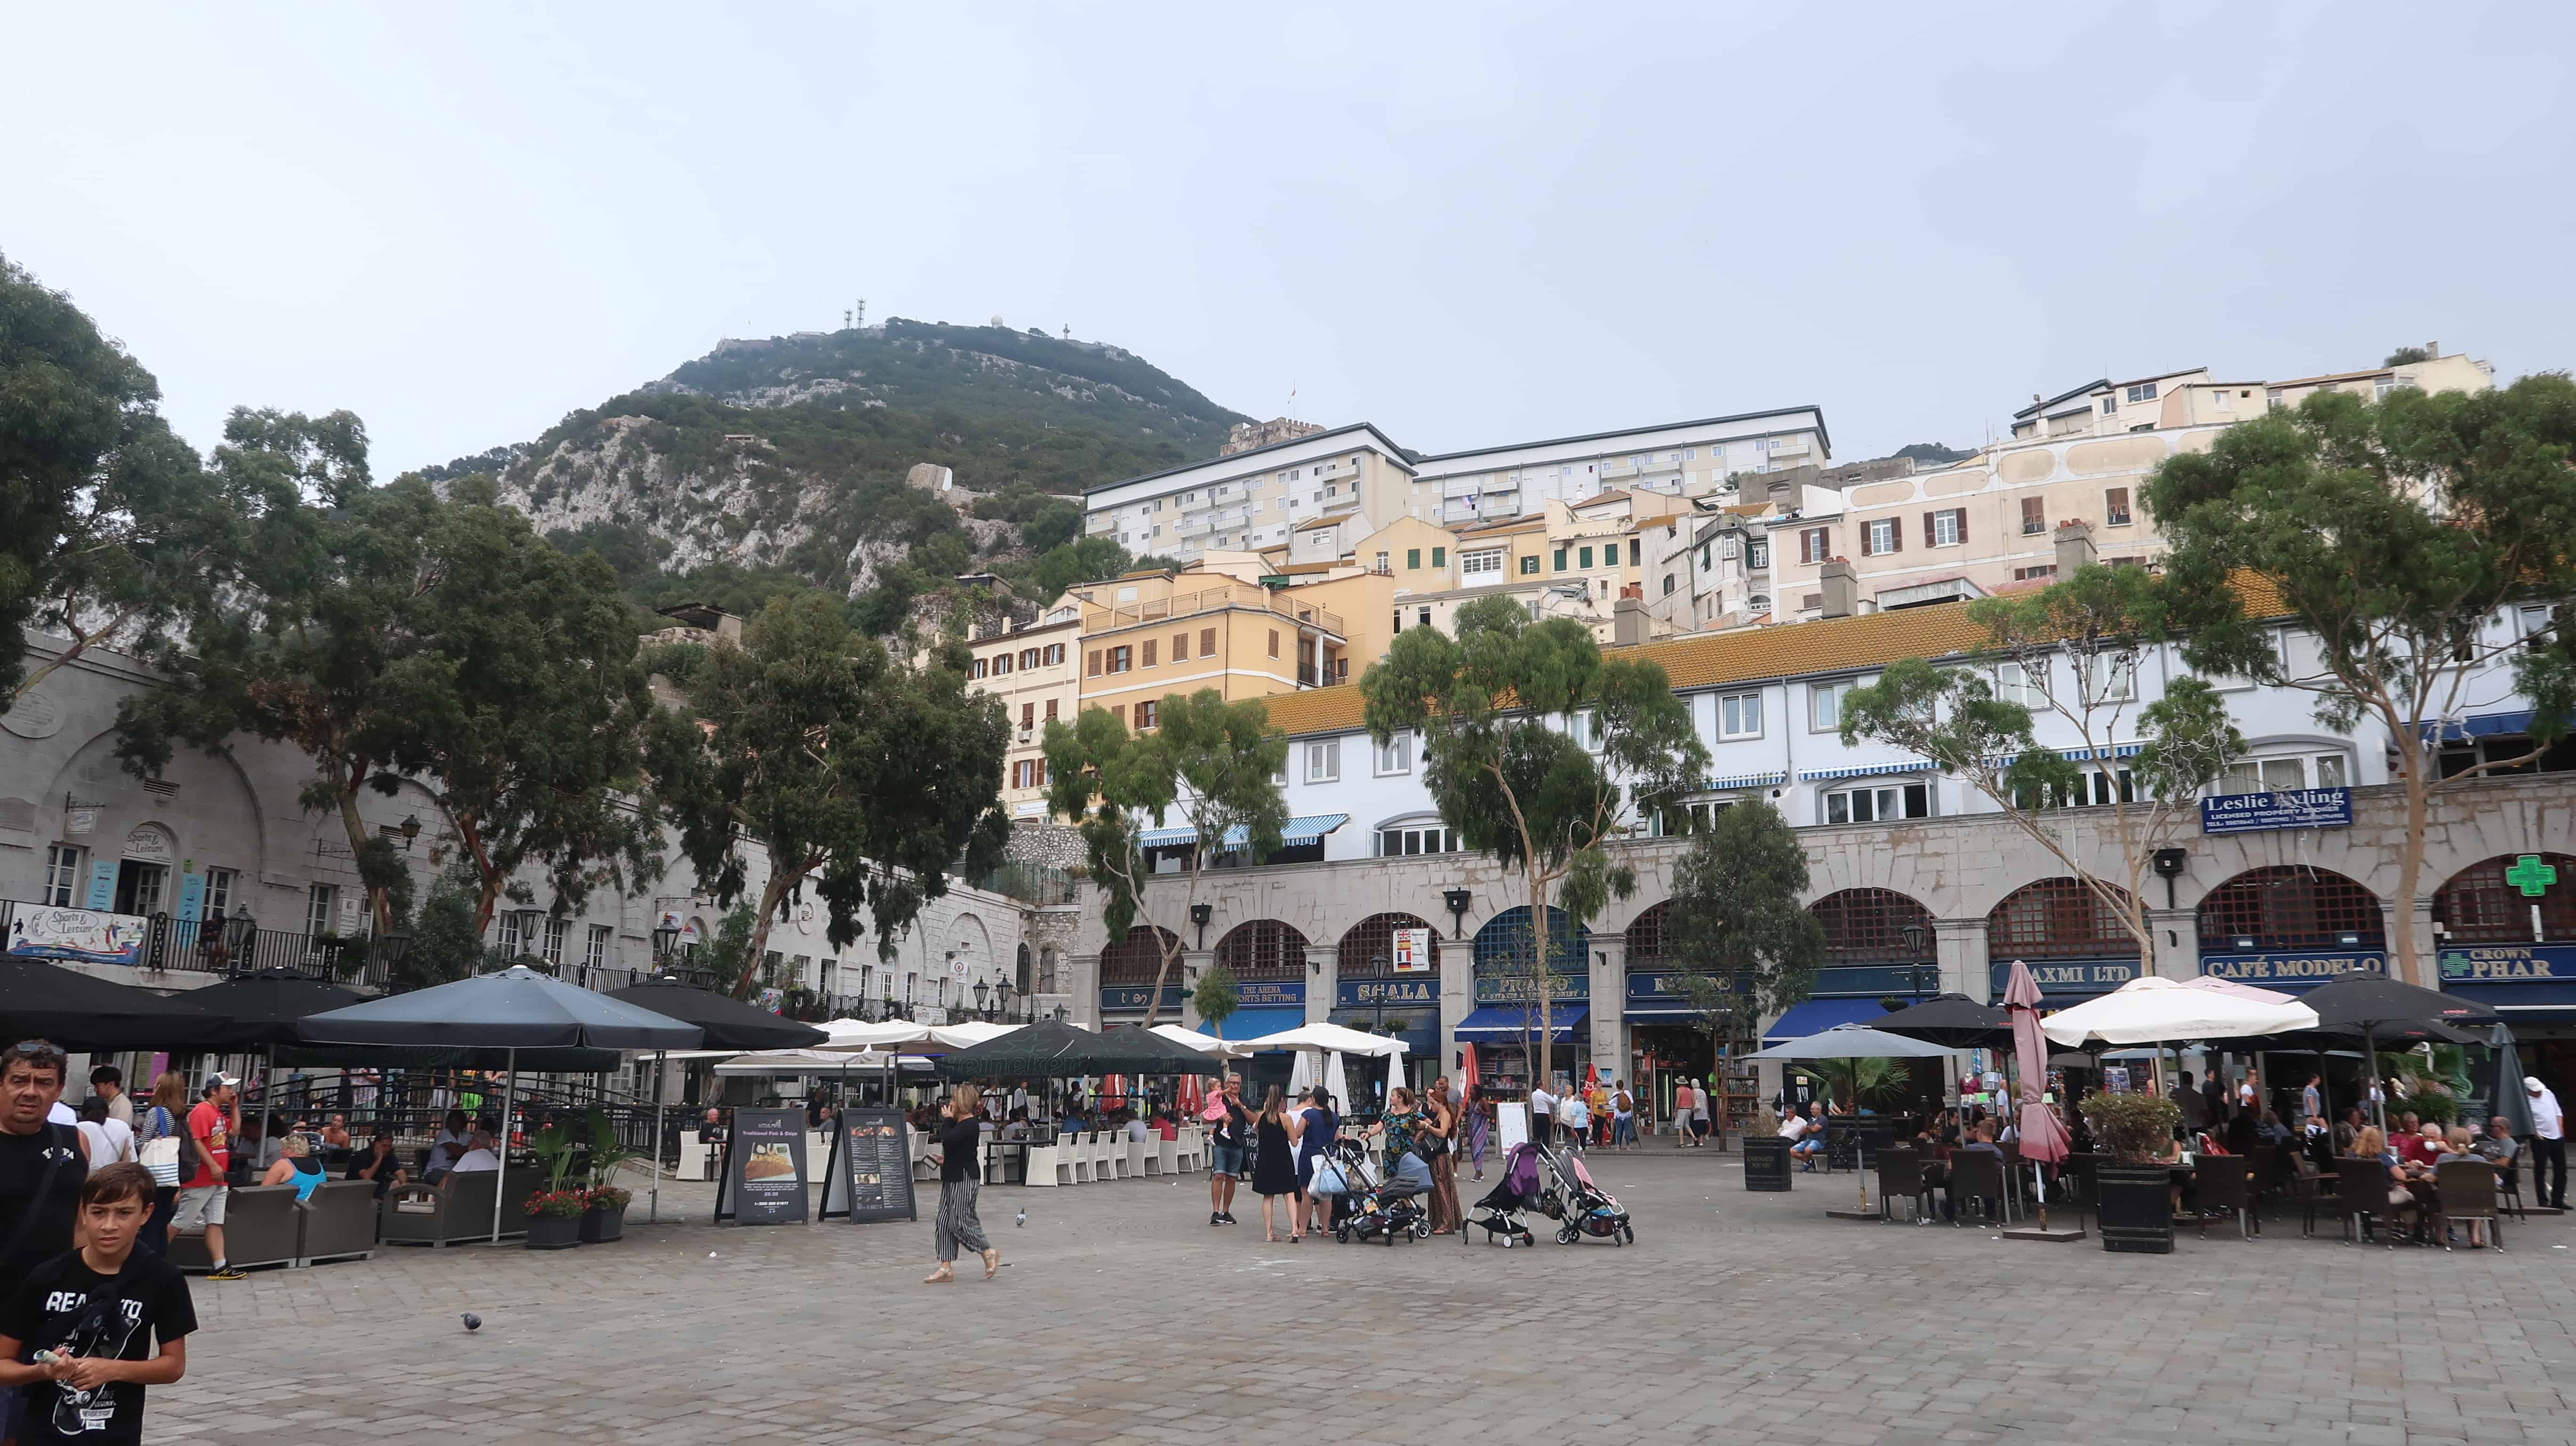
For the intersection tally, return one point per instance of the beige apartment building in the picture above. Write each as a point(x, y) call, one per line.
point(1146, 635)
point(1035, 672)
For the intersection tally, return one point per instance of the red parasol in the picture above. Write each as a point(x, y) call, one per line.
point(2043, 1137)
point(1466, 1062)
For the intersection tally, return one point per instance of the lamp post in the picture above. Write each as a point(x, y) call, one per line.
point(1200, 913)
point(1002, 1000)
point(1457, 900)
point(241, 940)
point(1914, 958)
point(410, 831)
point(1377, 999)
point(983, 991)
point(663, 938)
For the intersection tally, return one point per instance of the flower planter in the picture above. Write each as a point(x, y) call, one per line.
point(603, 1223)
point(1766, 1163)
point(2137, 1208)
point(554, 1232)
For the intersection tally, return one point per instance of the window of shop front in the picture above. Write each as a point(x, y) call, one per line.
point(2487, 904)
point(62, 875)
point(2057, 919)
point(1263, 949)
point(1136, 958)
point(1646, 937)
point(2291, 907)
point(1372, 940)
point(1867, 926)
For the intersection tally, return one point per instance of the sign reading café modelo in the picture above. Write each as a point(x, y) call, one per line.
point(2293, 971)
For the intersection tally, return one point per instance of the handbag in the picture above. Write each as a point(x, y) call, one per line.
point(160, 1154)
point(1328, 1179)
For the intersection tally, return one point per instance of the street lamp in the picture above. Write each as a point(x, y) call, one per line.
point(663, 938)
point(410, 831)
point(1060, 1013)
point(1914, 958)
point(983, 991)
point(1200, 914)
point(1002, 999)
point(1377, 1003)
point(1457, 900)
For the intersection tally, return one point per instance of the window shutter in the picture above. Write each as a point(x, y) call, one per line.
point(1864, 540)
point(1962, 514)
point(1896, 534)
point(1931, 535)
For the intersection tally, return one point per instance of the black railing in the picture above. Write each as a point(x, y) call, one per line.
point(237, 946)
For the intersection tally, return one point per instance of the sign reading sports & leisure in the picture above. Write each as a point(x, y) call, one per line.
point(2283, 808)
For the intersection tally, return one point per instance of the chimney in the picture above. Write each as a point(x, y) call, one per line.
point(2074, 546)
point(1841, 588)
point(1628, 621)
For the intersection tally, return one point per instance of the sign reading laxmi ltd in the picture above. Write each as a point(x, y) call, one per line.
point(2284, 808)
point(2509, 964)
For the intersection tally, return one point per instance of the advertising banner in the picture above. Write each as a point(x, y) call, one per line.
point(764, 1178)
point(1411, 951)
point(89, 935)
point(871, 1171)
point(2286, 808)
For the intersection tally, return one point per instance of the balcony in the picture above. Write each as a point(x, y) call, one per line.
point(1194, 527)
point(1208, 600)
point(1462, 486)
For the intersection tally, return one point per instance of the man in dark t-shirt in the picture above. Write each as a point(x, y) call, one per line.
point(41, 1163)
point(88, 1330)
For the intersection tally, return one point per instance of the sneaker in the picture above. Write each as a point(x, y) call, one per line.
point(1215, 1219)
point(226, 1272)
point(1228, 1218)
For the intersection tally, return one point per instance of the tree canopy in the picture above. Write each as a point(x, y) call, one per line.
point(2397, 534)
point(1534, 745)
point(1739, 927)
point(851, 772)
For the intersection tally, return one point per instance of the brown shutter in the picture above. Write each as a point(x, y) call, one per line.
point(1963, 525)
point(1930, 536)
point(1896, 534)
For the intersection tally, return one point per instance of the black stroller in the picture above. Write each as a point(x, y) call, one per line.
point(1518, 1190)
point(1377, 1211)
point(1580, 1207)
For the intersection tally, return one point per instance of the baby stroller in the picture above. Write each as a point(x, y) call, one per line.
point(1518, 1190)
point(1580, 1207)
point(1377, 1211)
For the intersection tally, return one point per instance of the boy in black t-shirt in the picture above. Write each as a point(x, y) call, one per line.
point(78, 1335)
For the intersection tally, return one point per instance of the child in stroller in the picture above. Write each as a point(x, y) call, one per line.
point(1518, 1190)
point(1388, 1211)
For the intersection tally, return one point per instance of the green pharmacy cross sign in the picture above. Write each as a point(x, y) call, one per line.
point(2531, 876)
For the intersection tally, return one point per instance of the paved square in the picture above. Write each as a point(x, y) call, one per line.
point(1124, 1317)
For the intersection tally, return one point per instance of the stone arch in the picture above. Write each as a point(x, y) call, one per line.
point(2478, 905)
point(2291, 906)
point(2058, 918)
point(1867, 926)
point(1373, 938)
point(1021, 978)
point(1263, 949)
point(1506, 943)
point(1136, 958)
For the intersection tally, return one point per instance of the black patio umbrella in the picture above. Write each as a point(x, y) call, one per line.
point(515, 1009)
point(1953, 1020)
point(2373, 1005)
point(1052, 1049)
point(81, 1012)
point(261, 1009)
point(728, 1023)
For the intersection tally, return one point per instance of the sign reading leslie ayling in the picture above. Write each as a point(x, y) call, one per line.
point(2283, 808)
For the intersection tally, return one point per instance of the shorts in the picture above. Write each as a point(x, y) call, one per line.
point(199, 1207)
point(1224, 1159)
point(1699, 1125)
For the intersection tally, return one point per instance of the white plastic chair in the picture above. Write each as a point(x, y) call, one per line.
point(1043, 1162)
point(1077, 1157)
point(1143, 1159)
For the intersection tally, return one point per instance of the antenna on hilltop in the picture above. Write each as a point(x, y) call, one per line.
point(845, 318)
point(860, 317)
point(1068, 331)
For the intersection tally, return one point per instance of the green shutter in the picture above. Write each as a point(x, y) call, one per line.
point(1560, 559)
point(1585, 557)
point(1529, 565)
point(1412, 558)
point(1439, 557)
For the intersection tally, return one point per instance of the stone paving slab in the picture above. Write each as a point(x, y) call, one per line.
point(1123, 1317)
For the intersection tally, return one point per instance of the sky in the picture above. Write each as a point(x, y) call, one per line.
point(1470, 225)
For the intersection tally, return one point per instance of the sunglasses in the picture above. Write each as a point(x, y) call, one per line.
point(33, 1050)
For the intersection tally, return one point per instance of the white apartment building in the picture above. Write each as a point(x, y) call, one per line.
point(1258, 499)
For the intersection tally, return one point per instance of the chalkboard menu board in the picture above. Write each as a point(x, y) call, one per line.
point(764, 1174)
point(1766, 1164)
point(871, 1174)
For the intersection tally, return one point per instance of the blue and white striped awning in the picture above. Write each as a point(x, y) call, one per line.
point(1746, 780)
point(1303, 829)
point(2075, 755)
point(1911, 765)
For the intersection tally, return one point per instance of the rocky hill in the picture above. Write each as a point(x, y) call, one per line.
point(774, 464)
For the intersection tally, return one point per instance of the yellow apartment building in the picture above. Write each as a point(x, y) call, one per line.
point(1149, 635)
point(1034, 671)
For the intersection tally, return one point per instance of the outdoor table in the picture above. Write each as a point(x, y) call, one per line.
point(1008, 1161)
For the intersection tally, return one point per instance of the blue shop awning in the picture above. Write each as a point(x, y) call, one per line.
point(1818, 1015)
point(1872, 770)
point(1304, 829)
point(1746, 780)
point(1510, 1023)
point(1253, 1023)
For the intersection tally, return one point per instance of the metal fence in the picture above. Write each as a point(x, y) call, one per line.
point(200, 946)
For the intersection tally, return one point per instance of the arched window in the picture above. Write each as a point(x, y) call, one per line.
point(1372, 939)
point(1134, 959)
point(1047, 972)
point(2057, 919)
point(1646, 946)
point(2485, 903)
point(1867, 926)
point(1263, 949)
point(1020, 979)
point(1505, 944)
point(2291, 906)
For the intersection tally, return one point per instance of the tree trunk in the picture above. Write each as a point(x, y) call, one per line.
point(489, 892)
point(1543, 1068)
point(2410, 870)
point(777, 889)
point(380, 904)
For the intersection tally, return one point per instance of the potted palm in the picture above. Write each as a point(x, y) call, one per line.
point(554, 1213)
point(605, 1218)
point(2135, 1183)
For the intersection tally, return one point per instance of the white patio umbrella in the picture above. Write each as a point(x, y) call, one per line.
point(1329, 1038)
point(1301, 1073)
point(1203, 1043)
point(1854, 1042)
point(1337, 1083)
point(2158, 1011)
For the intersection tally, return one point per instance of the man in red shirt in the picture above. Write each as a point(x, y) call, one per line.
point(211, 1126)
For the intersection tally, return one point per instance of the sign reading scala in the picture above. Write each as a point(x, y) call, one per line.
point(2287, 808)
point(871, 1173)
point(1364, 993)
point(764, 1178)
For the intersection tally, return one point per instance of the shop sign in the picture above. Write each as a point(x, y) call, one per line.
point(2509, 964)
point(2285, 808)
point(1133, 998)
point(1665, 989)
point(88, 935)
point(2068, 976)
point(1874, 981)
point(1368, 993)
point(1514, 988)
point(1270, 994)
point(870, 1177)
point(764, 1179)
point(1411, 951)
point(2293, 970)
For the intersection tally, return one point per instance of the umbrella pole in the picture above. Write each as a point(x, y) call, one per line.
point(661, 1087)
point(2378, 1095)
point(509, 1087)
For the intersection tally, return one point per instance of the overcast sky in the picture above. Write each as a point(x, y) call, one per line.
point(1471, 226)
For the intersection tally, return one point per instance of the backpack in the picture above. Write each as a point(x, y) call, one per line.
point(1623, 1103)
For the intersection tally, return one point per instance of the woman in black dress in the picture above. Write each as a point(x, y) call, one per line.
point(1274, 1164)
